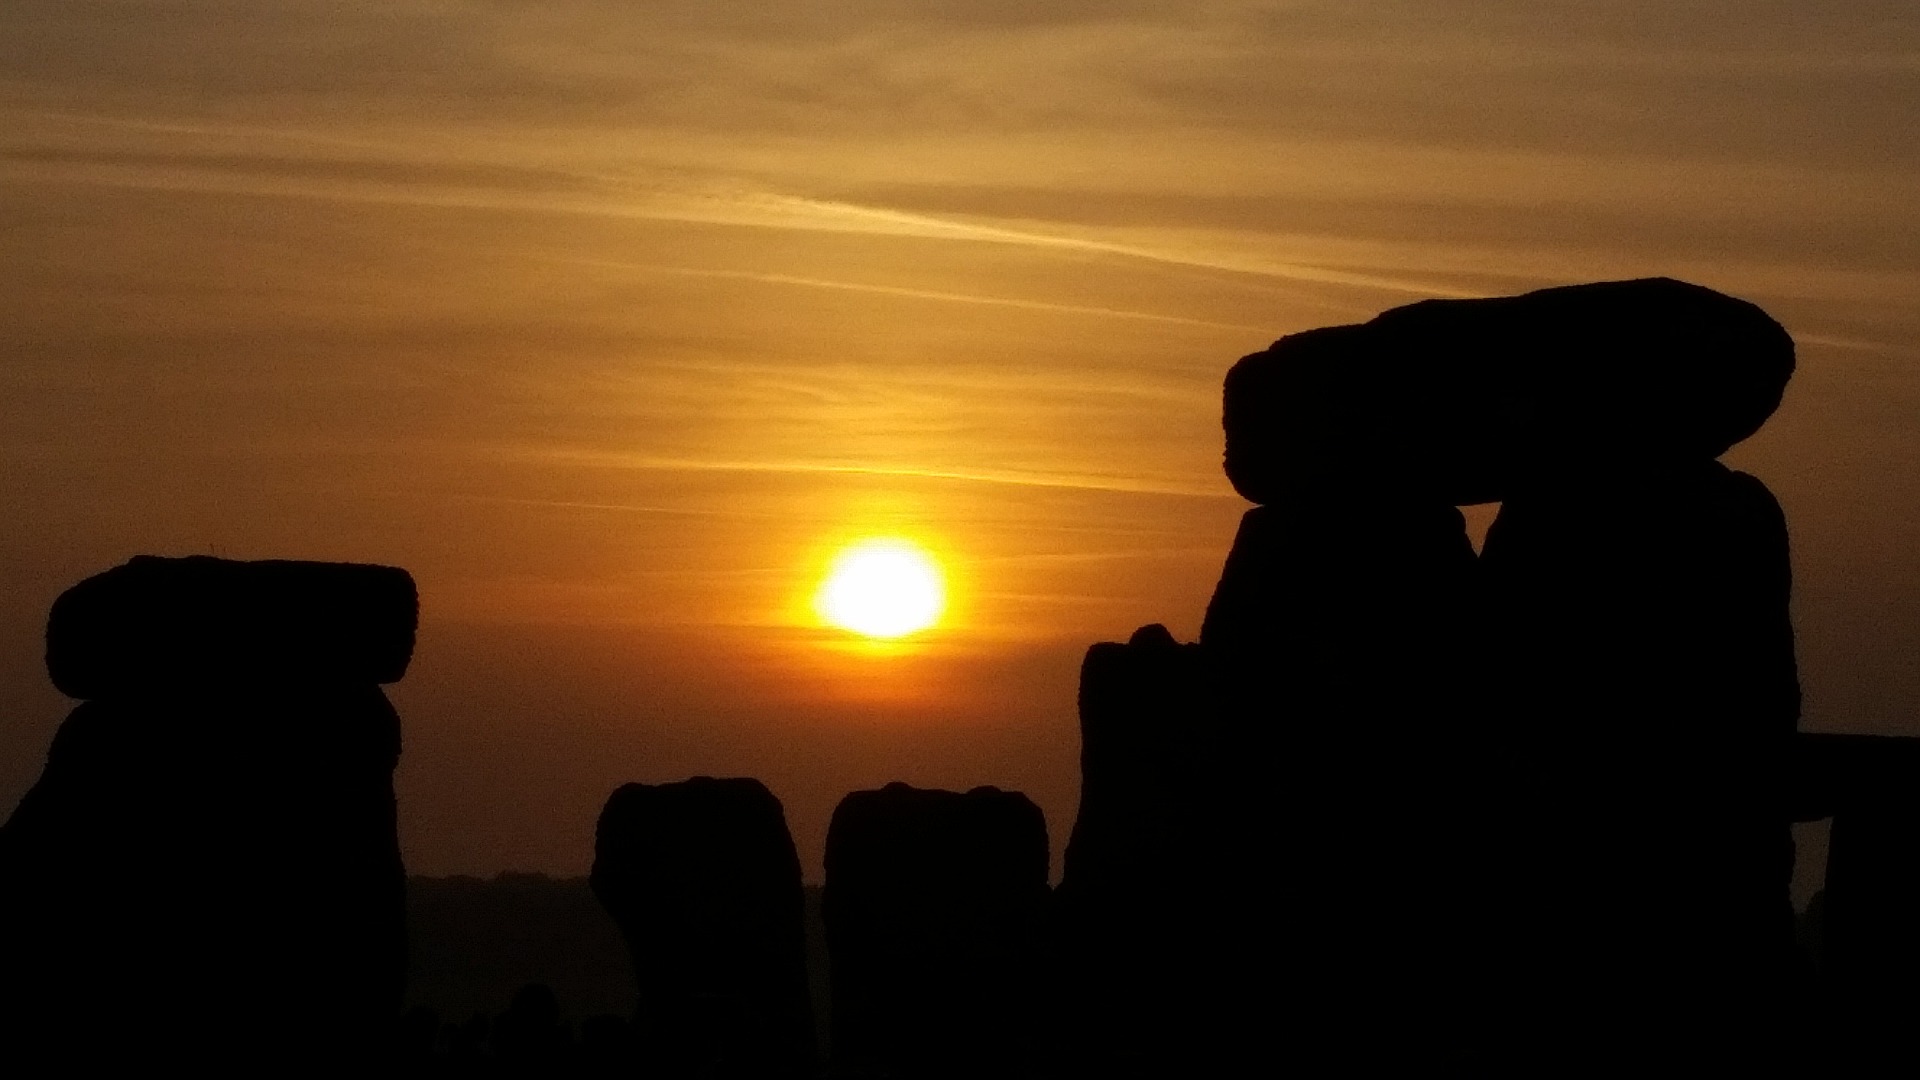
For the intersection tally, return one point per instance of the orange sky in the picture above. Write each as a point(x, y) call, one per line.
point(608, 320)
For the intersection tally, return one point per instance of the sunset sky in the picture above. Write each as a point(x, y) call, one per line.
point(613, 321)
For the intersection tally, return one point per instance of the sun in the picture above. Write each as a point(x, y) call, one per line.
point(882, 588)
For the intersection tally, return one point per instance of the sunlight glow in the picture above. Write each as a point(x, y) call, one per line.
point(882, 588)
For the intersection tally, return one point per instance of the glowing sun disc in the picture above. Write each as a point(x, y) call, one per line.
point(883, 589)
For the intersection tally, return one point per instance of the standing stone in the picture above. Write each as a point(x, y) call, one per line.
point(934, 908)
point(704, 882)
point(1135, 899)
point(1645, 670)
point(208, 867)
point(1352, 770)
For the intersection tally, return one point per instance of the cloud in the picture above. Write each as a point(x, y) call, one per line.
point(1332, 144)
point(1110, 482)
point(1617, 74)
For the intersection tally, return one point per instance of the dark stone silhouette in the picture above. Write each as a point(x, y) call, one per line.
point(210, 854)
point(703, 879)
point(1129, 901)
point(1342, 633)
point(1870, 934)
point(1310, 762)
point(1644, 665)
point(1456, 401)
point(155, 624)
point(934, 906)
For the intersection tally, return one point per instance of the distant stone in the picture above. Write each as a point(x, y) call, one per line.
point(934, 907)
point(704, 881)
point(153, 624)
point(1459, 400)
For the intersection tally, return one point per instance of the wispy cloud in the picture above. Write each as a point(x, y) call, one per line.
point(408, 180)
point(1036, 479)
point(1515, 127)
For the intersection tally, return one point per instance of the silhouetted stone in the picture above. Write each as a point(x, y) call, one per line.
point(1644, 664)
point(1457, 401)
point(211, 850)
point(1362, 583)
point(1349, 755)
point(1270, 820)
point(1354, 747)
point(1129, 911)
point(1870, 935)
point(1146, 718)
point(704, 881)
point(934, 905)
point(154, 624)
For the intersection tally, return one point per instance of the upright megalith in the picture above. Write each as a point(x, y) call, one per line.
point(1135, 985)
point(934, 908)
point(208, 864)
point(1335, 591)
point(704, 882)
point(1267, 816)
point(1340, 634)
point(1146, 719)
point(1643, 660)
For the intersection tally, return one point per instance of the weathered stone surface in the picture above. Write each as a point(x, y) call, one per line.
point(1458, 401)
point(934, 906)
point(1644, 666)
point(155, 623)
point(704, 881)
